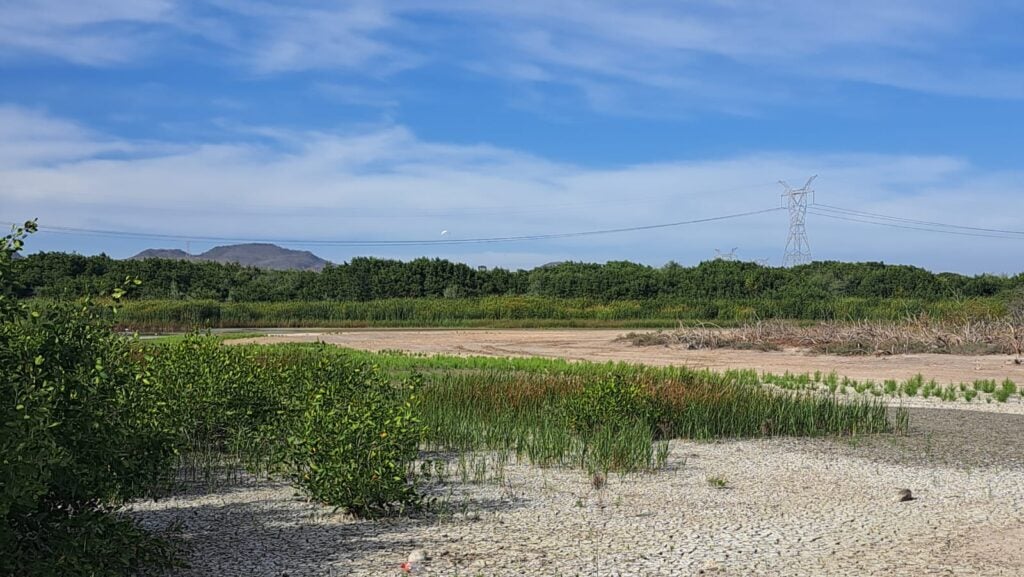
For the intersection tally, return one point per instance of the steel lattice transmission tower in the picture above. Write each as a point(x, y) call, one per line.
point(798, 250)
point(729, 256)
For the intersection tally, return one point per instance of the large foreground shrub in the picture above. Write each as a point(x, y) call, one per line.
point(80, 433)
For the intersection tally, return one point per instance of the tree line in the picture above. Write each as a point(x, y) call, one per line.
point(57, 274)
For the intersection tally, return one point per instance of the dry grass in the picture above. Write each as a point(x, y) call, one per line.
point(916, 335)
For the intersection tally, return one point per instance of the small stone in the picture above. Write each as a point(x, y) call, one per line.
point(418, 556)
point(903, 495)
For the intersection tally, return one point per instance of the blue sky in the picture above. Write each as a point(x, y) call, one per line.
point(397, 120)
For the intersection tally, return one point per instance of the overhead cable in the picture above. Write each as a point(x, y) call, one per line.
point(874, 215)
point(378, 243)
point(909, 226)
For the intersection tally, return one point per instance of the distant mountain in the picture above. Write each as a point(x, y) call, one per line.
point(171, 253)
point(260, 255)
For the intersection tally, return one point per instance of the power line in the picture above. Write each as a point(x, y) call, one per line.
point(874, 215)
point(909, 227)
point(379, 243)
point(349, 213)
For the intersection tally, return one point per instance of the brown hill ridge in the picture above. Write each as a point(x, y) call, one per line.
point(260, 255)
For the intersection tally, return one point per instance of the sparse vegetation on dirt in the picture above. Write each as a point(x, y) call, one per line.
point(986, 390)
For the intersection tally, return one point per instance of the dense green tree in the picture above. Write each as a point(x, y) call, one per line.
point(367, 278)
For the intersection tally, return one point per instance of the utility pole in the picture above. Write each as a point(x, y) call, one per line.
point(798, 250)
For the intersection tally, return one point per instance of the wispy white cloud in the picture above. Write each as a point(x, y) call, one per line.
point(31, 137)
point(263, 37)
point(273, 37)
point(389, 184)
point(97, 32)
point(724, 54)
point(707, 54)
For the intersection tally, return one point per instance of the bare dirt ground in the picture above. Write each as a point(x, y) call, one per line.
point(602, 345)
point(784, 507)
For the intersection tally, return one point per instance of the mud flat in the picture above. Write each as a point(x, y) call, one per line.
point(772, 507)
point(749, 507)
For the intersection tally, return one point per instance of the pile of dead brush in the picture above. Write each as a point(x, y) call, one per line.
point(916, 335)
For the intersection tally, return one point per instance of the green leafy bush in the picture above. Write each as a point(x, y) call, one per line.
point(353, 444)
point(342, 431)
point(215, 394)
point(615, 420)
point(81, 432)
point(609, 403)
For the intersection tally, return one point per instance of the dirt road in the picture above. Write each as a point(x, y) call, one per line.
point(602, 345)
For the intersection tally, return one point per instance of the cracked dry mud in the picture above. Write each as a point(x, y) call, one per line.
point(789, 507)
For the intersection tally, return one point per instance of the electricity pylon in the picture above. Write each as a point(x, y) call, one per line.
point(730, 256)
point(798, 250)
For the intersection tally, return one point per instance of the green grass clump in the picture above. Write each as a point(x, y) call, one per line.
point(717, 482)
point(913, 385)
point(608, 416)
point(985, 385)
point(1005, 391)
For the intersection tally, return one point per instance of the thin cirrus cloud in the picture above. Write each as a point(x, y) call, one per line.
point(711, 54)
point(262, 37)
point(31, 138)
point(724, 54)
point(96, 33)
point(276, 37)
point(388, 184)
